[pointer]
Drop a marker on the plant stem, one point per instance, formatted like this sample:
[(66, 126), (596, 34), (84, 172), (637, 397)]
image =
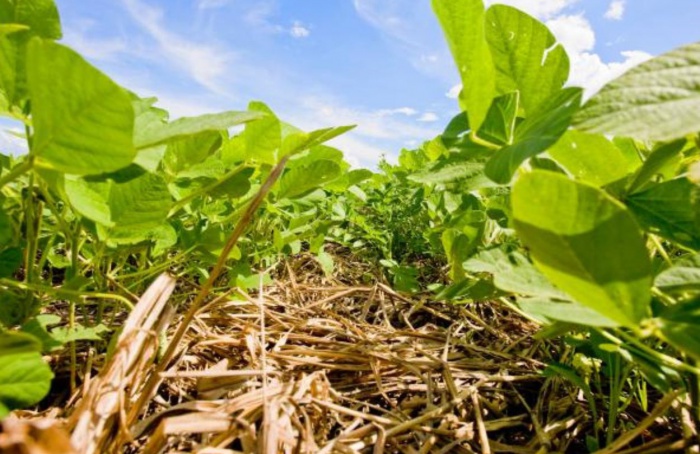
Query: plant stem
[(484, 143), (17, 171), (65, 292)]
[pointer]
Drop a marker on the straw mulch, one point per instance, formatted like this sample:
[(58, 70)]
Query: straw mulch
[(315, 365)]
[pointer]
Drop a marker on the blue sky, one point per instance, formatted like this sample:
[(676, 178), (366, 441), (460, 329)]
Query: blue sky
[(381, 64)]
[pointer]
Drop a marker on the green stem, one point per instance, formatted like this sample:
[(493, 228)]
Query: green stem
[(660, 249), (66, 293), (650, 353), (17, 171), (484, 143)]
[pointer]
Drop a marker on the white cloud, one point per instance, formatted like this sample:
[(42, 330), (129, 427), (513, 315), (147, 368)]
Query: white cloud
[(543, 9), (616, 10), (428, 117), (378, 131), (298, 30), (453, 93), (407, 111), (574, 32), (588, 70), (203, 62), (212, 4)]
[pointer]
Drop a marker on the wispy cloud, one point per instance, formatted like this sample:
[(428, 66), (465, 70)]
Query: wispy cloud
[(212, 4), (379, 131), (616, 10), (428, 117), (403, 23), (204, 62), (103, 49), (12, 139)]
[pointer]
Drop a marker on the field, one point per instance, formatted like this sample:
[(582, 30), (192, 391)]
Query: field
[(528, 281)]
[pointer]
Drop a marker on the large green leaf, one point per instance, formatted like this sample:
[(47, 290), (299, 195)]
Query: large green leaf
[(526, 55), (657, 100), (586, 243), (303, 179), (12, 73), (546, 311), (130, 203), (156, 132), (670, 210), (40, 15), (24, 376), (538, 132), (464, 27), (591, 158), (83, 122)]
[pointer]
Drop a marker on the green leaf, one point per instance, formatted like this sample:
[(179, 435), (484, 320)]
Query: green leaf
[(465, 168), (181, 155), (154, 132), (326, 261), (499, 125), (513, 273), (538, 132), (39, 15), (130, 202), (83, 122), (300, 180), (658, 100), (586, 243), (10, 261), (12, 343), (7, 231), (591, 158), (682, 334), (263, 138), (526, 55), (683, 276), (24, 376), (12, 69), (38, 327), (669, 210), (654, 164), (78, 333), (546, 311), (463, 23), (300, 141)]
